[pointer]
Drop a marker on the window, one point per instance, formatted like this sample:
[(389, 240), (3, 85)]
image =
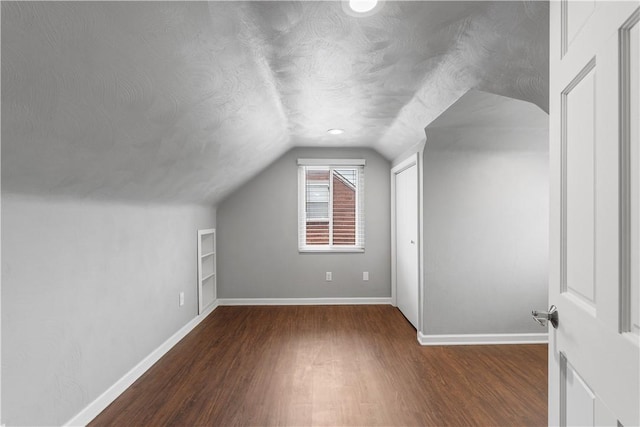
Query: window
[(331, 205)]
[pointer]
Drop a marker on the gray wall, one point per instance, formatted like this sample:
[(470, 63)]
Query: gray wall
[(486, 230), (258, 236), (88, 290)]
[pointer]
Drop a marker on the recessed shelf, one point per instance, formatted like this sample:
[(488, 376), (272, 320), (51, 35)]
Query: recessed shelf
[(208, 276), (206, 268)]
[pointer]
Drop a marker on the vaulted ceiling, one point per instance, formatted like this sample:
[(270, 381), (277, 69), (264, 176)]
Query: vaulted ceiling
[(184, 101)]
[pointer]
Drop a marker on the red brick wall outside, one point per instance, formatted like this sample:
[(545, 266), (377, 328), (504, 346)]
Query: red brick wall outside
[(317, 232), (344, 214)]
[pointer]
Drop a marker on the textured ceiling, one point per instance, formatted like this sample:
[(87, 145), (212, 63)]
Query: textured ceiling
[(484, 121), (182, 102)]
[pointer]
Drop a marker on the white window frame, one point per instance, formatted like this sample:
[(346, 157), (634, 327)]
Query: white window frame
[(302, 214)]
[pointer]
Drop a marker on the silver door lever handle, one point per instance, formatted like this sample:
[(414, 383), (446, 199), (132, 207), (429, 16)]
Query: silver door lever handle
[(542, 317)]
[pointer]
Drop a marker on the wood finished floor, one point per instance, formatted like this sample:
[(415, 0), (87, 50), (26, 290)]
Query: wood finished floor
[(331, 366)]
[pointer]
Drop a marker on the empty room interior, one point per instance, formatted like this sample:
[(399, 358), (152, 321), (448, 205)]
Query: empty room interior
[(283, 212)]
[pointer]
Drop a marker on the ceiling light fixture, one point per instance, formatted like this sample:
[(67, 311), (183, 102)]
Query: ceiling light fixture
[(335, 131), (362, 6)]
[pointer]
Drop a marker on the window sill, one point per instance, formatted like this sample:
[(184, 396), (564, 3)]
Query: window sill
[(308, 249)]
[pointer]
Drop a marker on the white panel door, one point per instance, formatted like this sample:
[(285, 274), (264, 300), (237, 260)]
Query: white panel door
[(594, 358), (406, 224)]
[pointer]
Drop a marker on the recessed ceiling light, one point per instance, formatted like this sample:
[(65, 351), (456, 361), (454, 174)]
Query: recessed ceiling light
[(362, 6), (335, 131)]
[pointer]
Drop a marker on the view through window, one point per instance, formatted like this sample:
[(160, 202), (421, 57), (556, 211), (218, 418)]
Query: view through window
[(331, 214)]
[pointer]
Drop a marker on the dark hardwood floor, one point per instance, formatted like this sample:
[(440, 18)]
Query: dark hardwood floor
[(331, 366)]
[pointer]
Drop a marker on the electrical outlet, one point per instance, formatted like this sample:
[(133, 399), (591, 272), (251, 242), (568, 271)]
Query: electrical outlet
[(328, 277), (181, 299), (365, 276)]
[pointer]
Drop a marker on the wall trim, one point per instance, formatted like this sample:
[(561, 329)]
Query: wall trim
[(306, 301), (92, 410), (482, 339)]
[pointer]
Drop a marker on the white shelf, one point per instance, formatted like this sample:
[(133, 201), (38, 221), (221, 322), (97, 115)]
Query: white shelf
[(208, 276), (206, 268)]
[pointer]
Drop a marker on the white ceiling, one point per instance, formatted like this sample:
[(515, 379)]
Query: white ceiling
[(185, 101), (489, 122)]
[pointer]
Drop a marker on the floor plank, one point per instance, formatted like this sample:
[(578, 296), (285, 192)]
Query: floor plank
[(331, 366)]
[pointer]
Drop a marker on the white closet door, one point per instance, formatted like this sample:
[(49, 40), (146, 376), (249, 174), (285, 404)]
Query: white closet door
[(406, 204)]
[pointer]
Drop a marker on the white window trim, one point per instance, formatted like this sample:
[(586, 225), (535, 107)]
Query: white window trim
[(329, 249), (331, 162), (302, 248)]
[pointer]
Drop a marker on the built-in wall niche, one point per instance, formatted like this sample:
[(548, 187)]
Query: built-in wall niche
[(206, 268)]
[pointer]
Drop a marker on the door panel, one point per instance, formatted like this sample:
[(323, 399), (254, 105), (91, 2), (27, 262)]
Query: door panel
[(579, 401), (407, 243), (579, 165), (594, 359), (631, 76)]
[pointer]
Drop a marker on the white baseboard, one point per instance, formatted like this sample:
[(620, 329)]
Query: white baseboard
[(482, 339), (92, 410), (305, 301)]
